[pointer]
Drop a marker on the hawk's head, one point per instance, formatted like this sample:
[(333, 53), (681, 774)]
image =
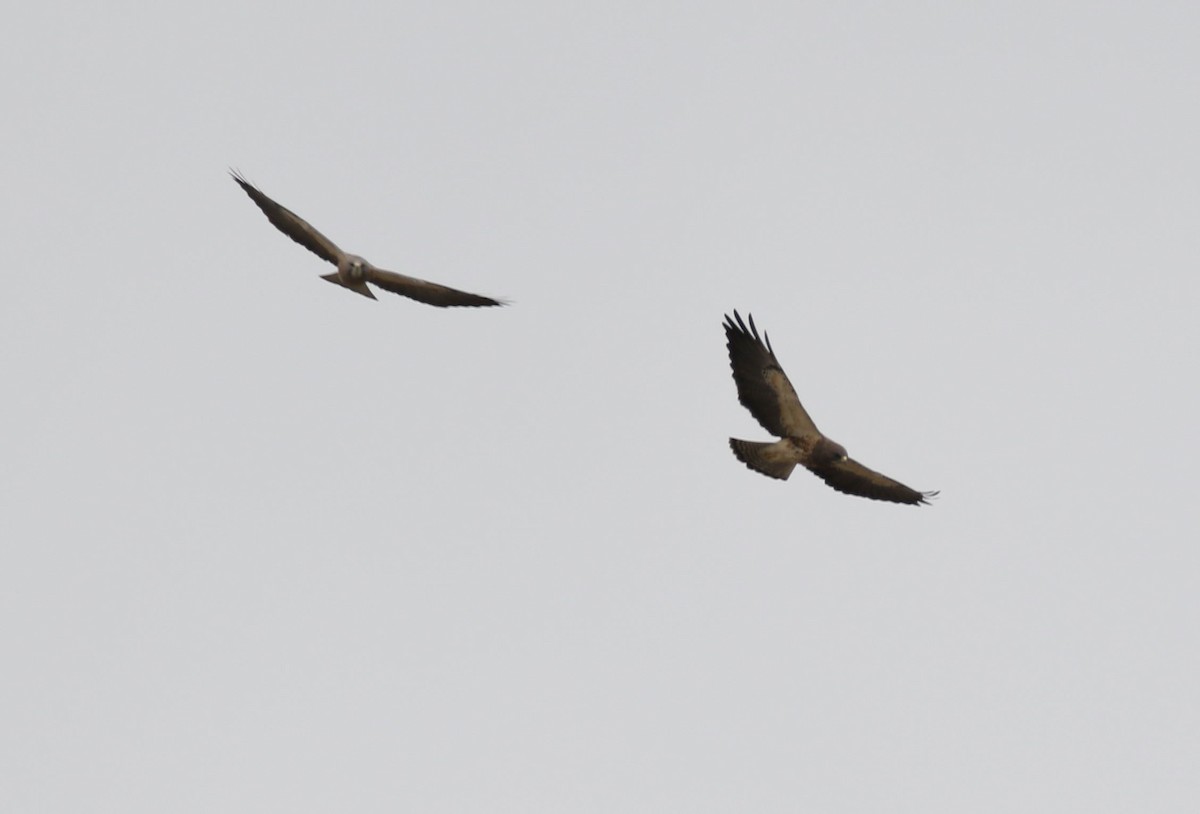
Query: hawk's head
[(356, 268), (828, 451)]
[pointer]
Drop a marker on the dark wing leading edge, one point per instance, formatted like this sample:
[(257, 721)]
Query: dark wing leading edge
[(291, 224), (851, 477), (425, 291), (763, 388)]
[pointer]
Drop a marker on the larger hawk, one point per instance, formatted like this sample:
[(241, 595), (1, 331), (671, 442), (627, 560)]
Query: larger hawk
[(763, 389)]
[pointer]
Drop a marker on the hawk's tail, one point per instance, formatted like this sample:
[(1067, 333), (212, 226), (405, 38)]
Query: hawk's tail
[(359, 288), (772, 460)]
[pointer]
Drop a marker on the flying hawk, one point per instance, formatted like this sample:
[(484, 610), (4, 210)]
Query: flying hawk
[(763, 389), (354, 272)]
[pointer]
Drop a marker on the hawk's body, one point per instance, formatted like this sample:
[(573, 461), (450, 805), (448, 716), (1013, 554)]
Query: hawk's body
[(353, 272), (764, 389)]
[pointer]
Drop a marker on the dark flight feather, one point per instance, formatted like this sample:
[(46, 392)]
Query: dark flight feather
[(291, 224)]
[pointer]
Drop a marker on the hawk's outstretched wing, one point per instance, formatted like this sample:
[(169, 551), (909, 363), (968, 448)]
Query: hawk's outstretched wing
[(291, 224), (849, 476), (763, 388), (425, 291)]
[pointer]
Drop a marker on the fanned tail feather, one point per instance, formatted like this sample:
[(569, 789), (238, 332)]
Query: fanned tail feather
[(771, 459)]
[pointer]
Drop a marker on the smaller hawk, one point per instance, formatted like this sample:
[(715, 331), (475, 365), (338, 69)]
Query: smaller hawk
[(353, 272), (763, 389)]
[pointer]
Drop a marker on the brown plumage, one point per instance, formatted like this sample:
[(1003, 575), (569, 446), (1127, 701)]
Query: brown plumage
[(764, 389), (353, 272)]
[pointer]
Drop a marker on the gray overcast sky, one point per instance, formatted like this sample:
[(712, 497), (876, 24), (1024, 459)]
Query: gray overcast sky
[(268, 546)]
